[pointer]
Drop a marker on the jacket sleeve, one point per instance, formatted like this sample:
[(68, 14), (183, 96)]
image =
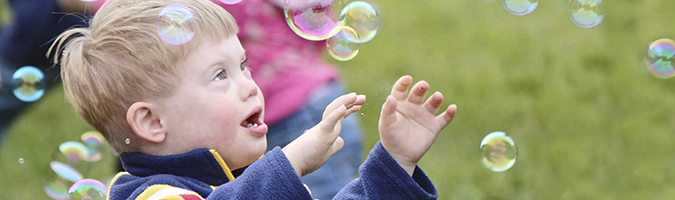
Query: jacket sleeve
[(271, 177), (382, 178)]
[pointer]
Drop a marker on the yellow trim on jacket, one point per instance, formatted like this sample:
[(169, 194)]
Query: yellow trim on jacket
[(166, 192), (222, 164), (107, 196)]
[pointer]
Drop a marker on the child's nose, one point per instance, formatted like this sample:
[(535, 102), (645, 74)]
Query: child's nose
[(248, 88)]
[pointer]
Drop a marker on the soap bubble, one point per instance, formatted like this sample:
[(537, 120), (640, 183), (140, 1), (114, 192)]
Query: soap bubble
[(28, 84), (65, 171), (586, 13), (87, 189), (174, 24), (127, 141), (498, 152), (74, 151), (230, 2), (315, 19), (92, 138), (341, 46), (57, 189), (363, 18), (660, 58), (520, 7)]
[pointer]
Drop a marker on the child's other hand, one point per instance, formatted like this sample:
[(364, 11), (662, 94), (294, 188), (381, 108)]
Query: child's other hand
[(309, 151), (408, 125)]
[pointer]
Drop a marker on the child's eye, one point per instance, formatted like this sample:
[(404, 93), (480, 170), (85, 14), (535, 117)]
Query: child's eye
[(220, 76), (243, 65)]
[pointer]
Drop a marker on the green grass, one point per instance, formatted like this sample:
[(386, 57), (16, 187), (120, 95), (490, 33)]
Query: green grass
[(5, 13), (589, 122)]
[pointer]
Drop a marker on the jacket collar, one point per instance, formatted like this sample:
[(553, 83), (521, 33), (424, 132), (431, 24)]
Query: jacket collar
[(202, 164)]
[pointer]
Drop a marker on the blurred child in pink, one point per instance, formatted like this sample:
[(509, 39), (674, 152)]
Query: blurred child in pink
[(285, 65)]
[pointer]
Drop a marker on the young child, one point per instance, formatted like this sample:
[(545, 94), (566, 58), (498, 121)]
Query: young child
[(187, 119)]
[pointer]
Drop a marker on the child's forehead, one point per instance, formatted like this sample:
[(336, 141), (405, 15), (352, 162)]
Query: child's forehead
[(226, 46), (207, 52)]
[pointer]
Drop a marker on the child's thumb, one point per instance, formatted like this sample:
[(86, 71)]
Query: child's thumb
[(337, 145), (329, 122)]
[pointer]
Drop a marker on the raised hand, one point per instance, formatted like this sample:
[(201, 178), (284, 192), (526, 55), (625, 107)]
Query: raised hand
[(408, 126), (309, 151)]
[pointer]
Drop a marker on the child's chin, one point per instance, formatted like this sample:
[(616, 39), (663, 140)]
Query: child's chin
[(259, 151)]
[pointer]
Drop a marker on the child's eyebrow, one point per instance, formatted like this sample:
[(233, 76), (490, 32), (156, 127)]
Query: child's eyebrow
[(222, 62)]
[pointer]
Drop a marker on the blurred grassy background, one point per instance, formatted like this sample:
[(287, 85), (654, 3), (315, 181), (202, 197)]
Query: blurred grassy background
[(589, 122), (4, 12)]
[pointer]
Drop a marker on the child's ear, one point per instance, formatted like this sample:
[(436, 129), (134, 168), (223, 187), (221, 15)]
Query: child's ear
[(145, 122)]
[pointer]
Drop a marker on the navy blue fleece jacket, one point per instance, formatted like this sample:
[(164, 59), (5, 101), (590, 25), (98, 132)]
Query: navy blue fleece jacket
[(202, 174)]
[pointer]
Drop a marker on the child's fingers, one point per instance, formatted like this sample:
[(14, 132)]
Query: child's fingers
[(418, 91), (353, 109), (346, 100), (388, 113), (329, 122), (337, 145), (360, 99), (356, 105), (434, 102), (446, 117), (400, 89)]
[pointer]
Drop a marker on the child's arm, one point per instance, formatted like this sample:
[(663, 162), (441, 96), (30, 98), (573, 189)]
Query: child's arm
[(408, 125), (309, 151)]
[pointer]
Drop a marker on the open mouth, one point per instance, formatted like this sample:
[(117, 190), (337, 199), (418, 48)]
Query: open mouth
[(253, 120)]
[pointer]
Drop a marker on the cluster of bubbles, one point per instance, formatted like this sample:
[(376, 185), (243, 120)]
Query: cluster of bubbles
[(660, 58), (344, 26), (28, 84), (67, 161), (583, 13), (498, 151)]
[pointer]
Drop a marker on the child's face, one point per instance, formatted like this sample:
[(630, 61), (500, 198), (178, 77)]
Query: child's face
[(217, 105)]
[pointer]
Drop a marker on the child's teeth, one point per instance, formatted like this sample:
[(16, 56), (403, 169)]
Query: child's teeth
[(249, 125), (255, 125)]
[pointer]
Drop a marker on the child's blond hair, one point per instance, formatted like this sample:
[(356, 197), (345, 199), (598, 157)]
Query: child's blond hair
[(120, 59)]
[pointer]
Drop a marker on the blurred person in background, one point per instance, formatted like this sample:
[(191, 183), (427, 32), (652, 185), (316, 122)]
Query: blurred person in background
[(24, 42)]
